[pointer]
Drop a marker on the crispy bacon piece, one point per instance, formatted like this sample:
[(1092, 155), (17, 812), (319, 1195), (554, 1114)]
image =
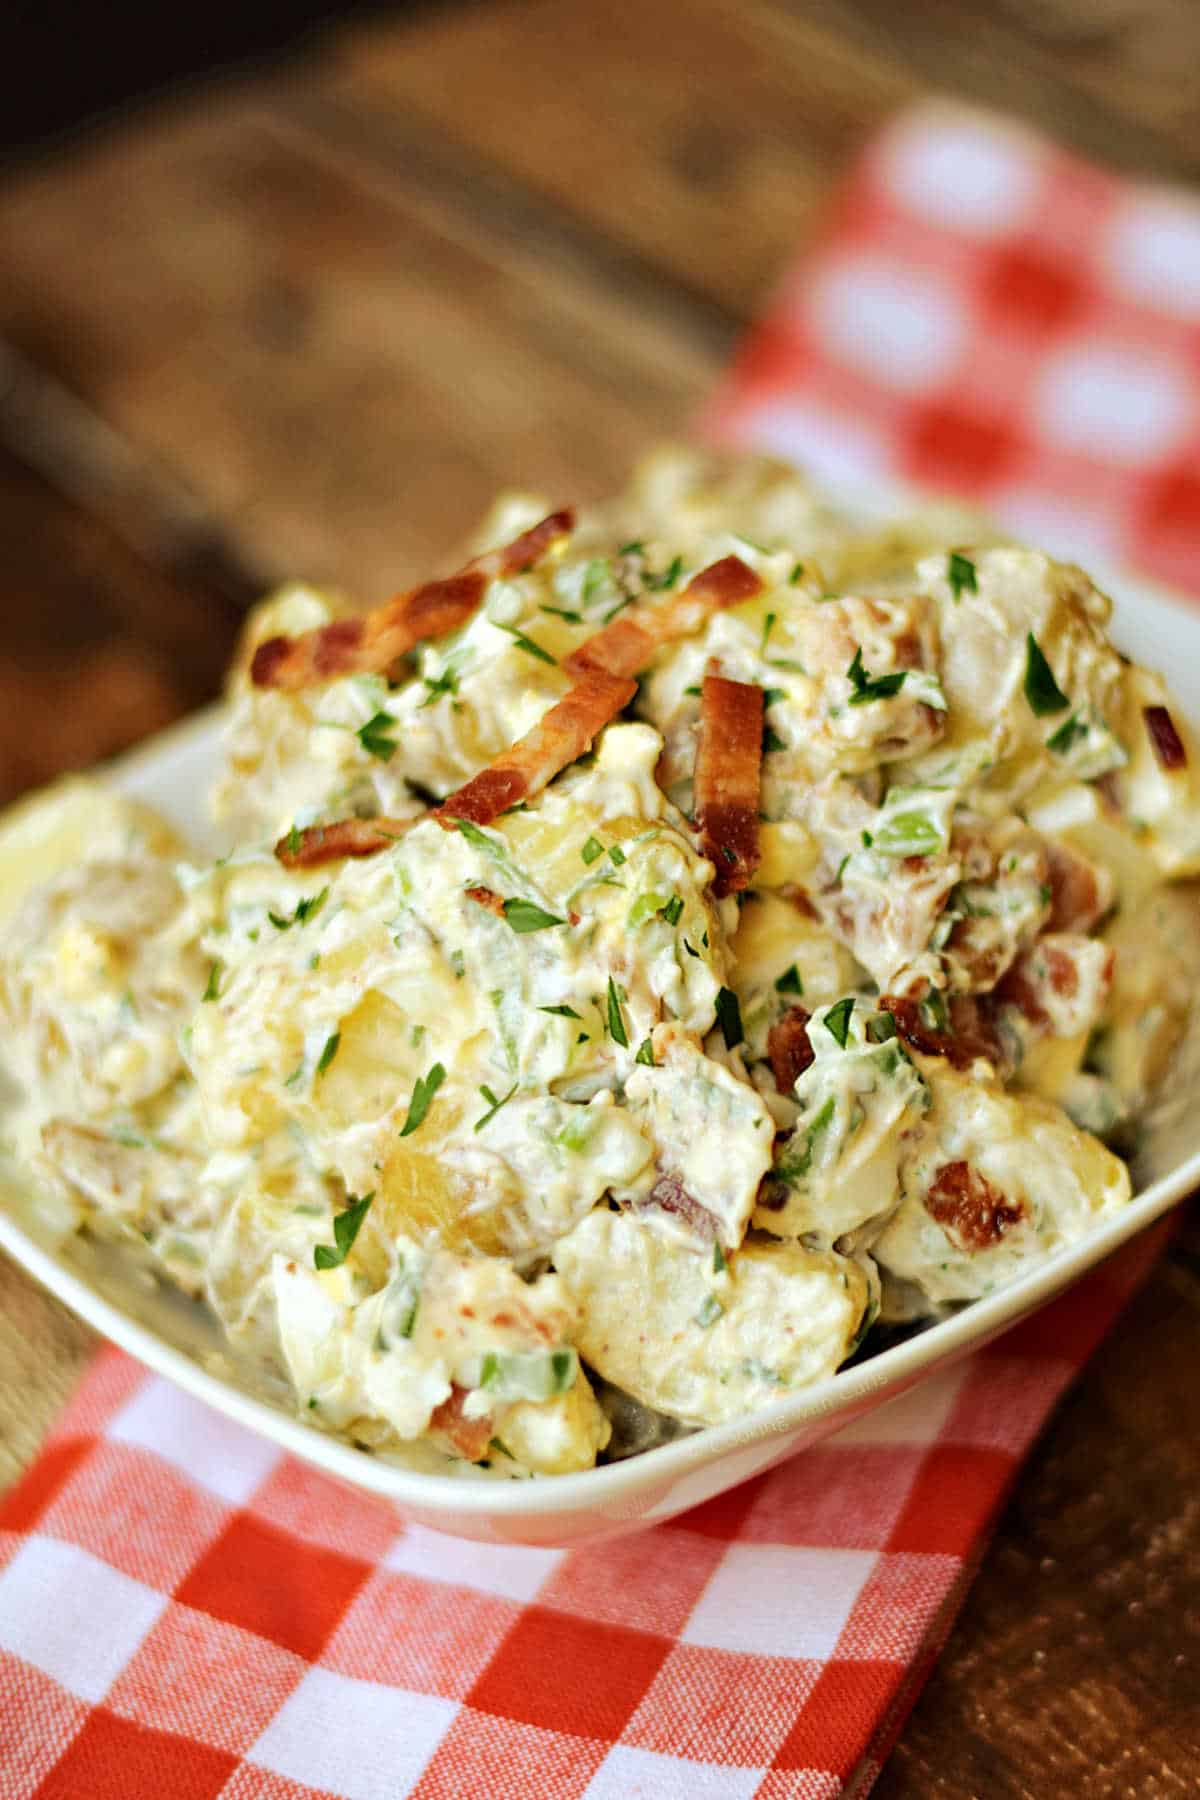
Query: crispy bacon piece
[(966, 1205), (670, 1196), (627, 645), (788, 1049), (373, 641), (559, 736), (318, 844), (970, 1031), (1165, 741), (466, 1437), (486, 896), (728, 767)]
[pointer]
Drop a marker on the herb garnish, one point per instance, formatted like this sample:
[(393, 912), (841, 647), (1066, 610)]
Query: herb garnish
[(837, 1021), (591, 850), (481, 840), (960, 573), (658, 584), (710, 1311), (872, 687), (211, 991), (729, 1018), (436, 686), (494, 1105), (373, 736), (422, 1094), (527, 644), (1067, 733), (719, 1265), (1041, 690), (645, 1054), (306, 909), (789, 982), (346, 1226), (329, 1052), (672, 910), (524, 915), (616, 1024), (616, 855), (563, 1012)]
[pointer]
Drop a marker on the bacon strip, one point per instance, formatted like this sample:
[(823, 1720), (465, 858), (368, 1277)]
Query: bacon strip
[(971, 1031), (466, 1437), (559, 736), (788, 1049), (372, 642), (728, 766), (627, 645), (319, 844), (1165, 741), (487, 897), (969, 1208)]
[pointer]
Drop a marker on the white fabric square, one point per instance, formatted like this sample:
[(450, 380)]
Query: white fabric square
[(220, 1456), (512, 1571), (1152, 252), (900, 325), (353, 1738), (779, 1600), (1117, 401), (946, 168), (631, 1774), (915, 1418), (72, 1616)]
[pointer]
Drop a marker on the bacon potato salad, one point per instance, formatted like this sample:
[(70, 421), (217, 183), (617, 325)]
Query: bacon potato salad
[(643, 959)]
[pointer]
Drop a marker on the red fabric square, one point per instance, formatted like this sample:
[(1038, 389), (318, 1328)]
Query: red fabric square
[(649, 1580), (206, 1679), (843, 1498), (900, 1601), (137, 1513), (25, 1502), (1030, 289), (481, 1756), (1168, 521), (839, 1717), (114, 1759), (249, 1782), (722, 1516), (1004, 1399), (270, 1583), (951, 447), (427, 1636), (569, 1674), (717, 1706), (317, 1509), (954, 1497), (38, 1719)]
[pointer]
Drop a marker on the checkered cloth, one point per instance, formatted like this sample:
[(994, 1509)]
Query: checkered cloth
[(186, 1612)]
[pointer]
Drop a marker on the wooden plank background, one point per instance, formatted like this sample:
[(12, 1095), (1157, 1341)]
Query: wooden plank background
[(309, 323)]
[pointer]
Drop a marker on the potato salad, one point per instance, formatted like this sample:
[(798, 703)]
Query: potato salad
[(690, 938)]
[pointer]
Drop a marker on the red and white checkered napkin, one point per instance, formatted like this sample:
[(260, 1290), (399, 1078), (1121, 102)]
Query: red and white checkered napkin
[(186, 1613)]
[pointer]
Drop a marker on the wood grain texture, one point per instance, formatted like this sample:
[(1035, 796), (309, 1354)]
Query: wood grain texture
[(308, 325)]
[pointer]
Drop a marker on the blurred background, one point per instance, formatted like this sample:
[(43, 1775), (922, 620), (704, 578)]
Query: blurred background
[(294, 287)]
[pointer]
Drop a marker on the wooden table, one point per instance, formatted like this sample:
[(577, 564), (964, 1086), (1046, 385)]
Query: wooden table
[(308, 323)]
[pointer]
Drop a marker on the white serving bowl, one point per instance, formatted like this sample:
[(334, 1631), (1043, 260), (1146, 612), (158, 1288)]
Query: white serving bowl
[(178, 1338)]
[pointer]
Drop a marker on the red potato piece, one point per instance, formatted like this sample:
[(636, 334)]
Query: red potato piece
[(319, 844), (563, 733), (728, 771), (372, 642), (628, 644)]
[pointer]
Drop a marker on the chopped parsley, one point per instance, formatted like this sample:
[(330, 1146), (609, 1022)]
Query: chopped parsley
[(616, 1024), (563, 1012), (293, 841), (591, 850), (672, 910), (524, 915), (329, 1052), (710, 1311), (214, 976), (719, 1264), (594, 577), (481, 840), (645, 1053), (691, 950), (837, 1021), (789, 982), (1041, 690), (872, 687), (797, 575), (1067, 734), (960, 573), (422, 1094), (563, 612), (616, 855), (660, 583), (634, 547), (374, 738), (768, 628), (791, 1169), (306, 909), (841, 868), (438, 685), (346, 1226), (494, 1105), (529, 646), (729, 1018), (771, 740)]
